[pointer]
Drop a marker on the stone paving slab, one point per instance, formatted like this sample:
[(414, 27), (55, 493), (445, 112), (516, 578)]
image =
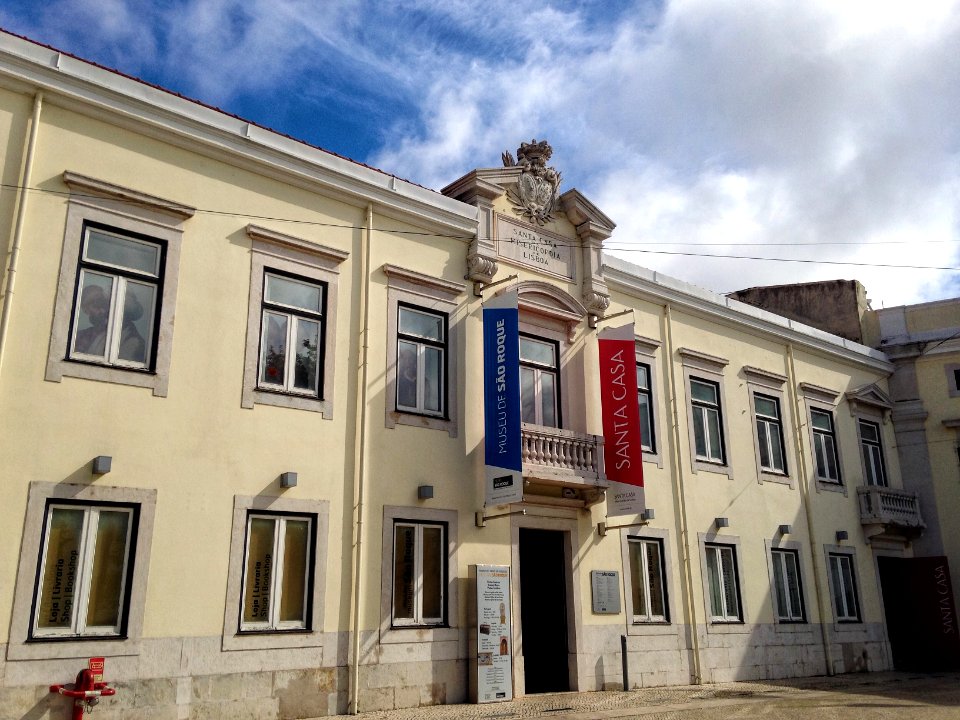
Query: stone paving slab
[(900, 696)]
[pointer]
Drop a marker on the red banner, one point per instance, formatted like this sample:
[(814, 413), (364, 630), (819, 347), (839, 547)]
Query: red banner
[(623, 459)]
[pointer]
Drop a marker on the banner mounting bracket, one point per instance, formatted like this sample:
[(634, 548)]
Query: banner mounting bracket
[(481, 520), (594, 320), (479, 286)]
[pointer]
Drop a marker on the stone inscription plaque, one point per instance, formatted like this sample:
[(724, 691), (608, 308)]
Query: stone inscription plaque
[(536, 249)]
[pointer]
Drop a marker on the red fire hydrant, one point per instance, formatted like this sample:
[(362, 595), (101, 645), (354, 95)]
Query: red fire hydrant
[(86, 692)]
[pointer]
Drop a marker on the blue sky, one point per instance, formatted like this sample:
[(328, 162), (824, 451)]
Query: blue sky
[(818, 130)]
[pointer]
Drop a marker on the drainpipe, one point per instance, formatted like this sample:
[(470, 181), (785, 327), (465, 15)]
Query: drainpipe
[(819, 571), (359, 463), (690, 607), (24, 185)]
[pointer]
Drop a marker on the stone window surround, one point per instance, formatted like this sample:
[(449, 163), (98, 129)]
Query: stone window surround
[(271, 250), (875, 409), (429, 293), (39, 493), (953, 383), (274, 639), (771, 384), (727, 627), (846, 625), (785, 626), (824, 399), (127, 210), (666, 627), (418, 634), (709, 367), (647, 353)]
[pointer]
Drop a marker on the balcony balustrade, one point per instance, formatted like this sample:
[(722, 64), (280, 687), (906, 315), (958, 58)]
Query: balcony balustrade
[(890, 512), (562, 457)]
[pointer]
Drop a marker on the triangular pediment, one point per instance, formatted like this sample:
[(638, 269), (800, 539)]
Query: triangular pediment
[(870, 397)]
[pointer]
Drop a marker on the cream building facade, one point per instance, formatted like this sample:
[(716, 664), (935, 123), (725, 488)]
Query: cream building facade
[(241, 383)]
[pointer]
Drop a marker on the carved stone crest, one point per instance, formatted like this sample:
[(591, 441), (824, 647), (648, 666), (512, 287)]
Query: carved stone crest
[(535, 195)]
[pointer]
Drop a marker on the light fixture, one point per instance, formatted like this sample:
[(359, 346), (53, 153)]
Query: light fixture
[(102, 464), (648, 514), (288, 480), (785, 529), (842, 535), (721, 522), (424, 492)]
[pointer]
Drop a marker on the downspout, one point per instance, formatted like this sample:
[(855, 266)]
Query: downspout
[(359, 464), (24, 185), (819, 571), (690, 607)]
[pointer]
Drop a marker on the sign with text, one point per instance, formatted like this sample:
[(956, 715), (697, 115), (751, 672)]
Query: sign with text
[(96, 664), (501, 400), (623, 457), (534, 248), (494, 643), (605, 589)]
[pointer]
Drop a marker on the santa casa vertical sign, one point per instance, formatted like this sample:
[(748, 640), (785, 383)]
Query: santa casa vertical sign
[(623, 457)]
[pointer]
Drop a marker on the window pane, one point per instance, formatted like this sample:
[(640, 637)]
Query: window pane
[(779, 582), (646, 433), (537, 351), (273, 351), (137, 325), (714, 581), (655, 578), (548, 399), (869, 432), (776, 451), (406, 374), (713, 427), (403, 572), (846, 576), (432, 573), (820, 420), (699, 432), (837, 586), (638, 579), (729, 583), (763, 444), (286, 291), (831, 453), (296, 538), (765, 406), (90, 332), (528, 411), (122, 252), (61, 569), (106, 577), (421, 324), (308, 341), (432, 362), (643, 381), (259, 570), (703, 392), (793, 585)]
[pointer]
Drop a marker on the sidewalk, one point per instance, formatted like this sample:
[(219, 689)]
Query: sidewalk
[(904, 696)]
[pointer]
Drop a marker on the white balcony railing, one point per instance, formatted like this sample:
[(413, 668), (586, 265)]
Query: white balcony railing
[(562, 455), (896, 510)]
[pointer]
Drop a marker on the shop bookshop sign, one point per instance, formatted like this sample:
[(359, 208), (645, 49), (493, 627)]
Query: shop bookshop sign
[(536, 249)]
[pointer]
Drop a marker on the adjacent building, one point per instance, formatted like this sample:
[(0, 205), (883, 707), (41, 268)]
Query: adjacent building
[(241, 383)]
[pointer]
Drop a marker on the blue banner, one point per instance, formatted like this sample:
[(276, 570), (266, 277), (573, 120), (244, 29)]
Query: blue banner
[(501, 400)]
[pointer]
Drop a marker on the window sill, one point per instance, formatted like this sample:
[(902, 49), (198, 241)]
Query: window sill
[(729, 627), (712, 466), (775, 477), (295, 401), (419, 634), (272, 640), (650, 628), (411, 419), (72, 647), (830, 486), (116, 374)]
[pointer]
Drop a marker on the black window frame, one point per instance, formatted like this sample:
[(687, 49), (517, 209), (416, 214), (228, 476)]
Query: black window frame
[(695, 403), (445, 346), (832, 434), (648, 392), (555, 370)]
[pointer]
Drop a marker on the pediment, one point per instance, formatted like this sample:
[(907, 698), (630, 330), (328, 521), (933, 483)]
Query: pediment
[(869, 397), (550, 301)]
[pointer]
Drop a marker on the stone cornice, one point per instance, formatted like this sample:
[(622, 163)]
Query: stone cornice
[(91, 186)]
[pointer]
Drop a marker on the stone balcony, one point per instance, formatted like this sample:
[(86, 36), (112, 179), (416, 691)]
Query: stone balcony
[(889, 513), (574, 461)]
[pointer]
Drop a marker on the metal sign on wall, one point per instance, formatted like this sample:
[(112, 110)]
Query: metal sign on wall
[(525, 245), (494, 643), (605, 587)]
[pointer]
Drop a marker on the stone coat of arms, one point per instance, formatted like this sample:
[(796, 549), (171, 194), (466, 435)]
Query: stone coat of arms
[(536, 193)]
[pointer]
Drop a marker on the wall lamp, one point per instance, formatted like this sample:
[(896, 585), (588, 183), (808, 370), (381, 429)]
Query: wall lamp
[(842, 535), (785, 529), (721, 522), (102, 464), (425, 492), (288, 479)]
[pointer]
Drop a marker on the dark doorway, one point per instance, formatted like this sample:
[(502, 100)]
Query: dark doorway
[(543, 611), (921, 617)]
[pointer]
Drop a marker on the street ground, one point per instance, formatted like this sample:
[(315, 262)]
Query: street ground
[(869, 696)]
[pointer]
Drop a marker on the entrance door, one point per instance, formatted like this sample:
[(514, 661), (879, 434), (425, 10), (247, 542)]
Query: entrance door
[(919, 609), (543, 611)]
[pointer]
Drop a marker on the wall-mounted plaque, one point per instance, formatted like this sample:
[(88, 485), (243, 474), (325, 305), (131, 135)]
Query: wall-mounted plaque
[(543, 251), (606, 591), (494, 641)]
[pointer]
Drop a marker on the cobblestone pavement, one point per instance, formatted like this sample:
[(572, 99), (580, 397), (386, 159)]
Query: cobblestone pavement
[(871, 696)]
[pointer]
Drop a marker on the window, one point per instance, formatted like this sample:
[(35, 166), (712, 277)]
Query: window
[(291, 322), (843, 586), (84, 571), (276, 578), (538, 382), (419, 573), (769, 433), (722, 583), (82, 574), (708, 437), (116, 302), (786, 584), (825, 446), (873, 468), (292, 329), (421, 361), (647, 580), (648, 440), (116, 297)]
